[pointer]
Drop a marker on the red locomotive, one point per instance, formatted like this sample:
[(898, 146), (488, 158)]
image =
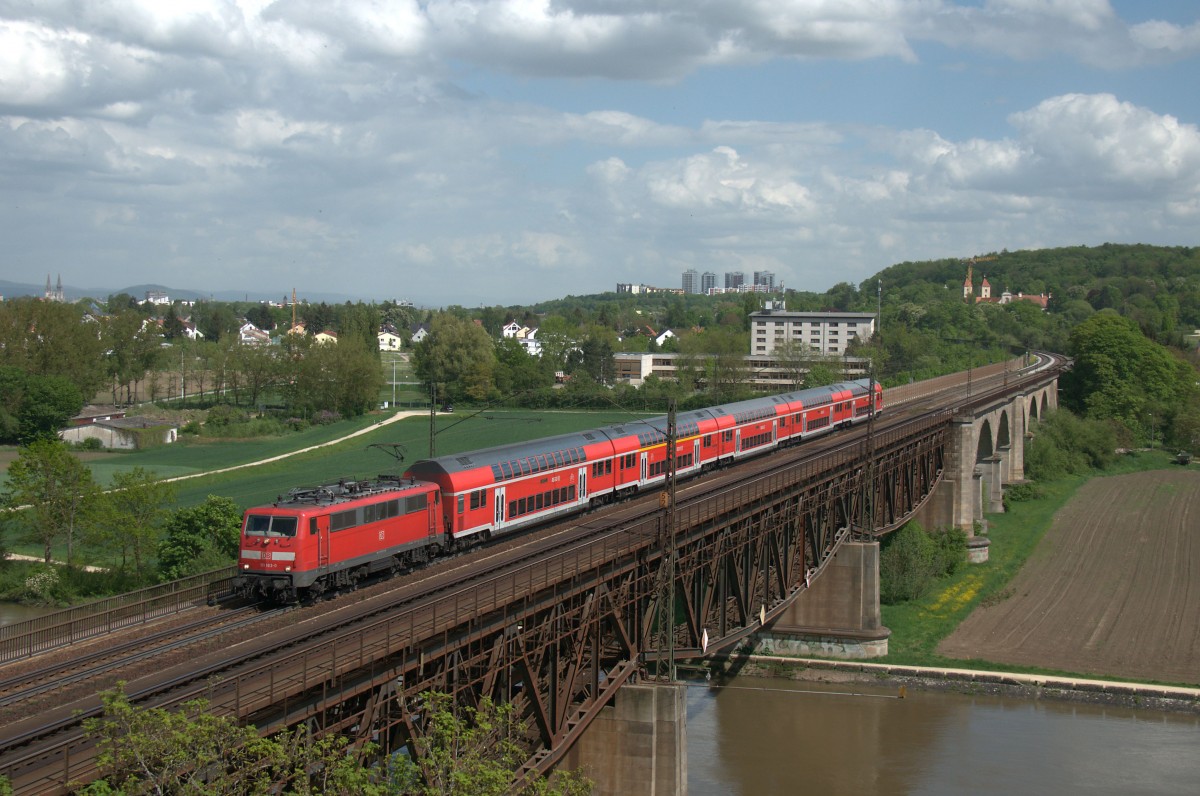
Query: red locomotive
[(328, 537)]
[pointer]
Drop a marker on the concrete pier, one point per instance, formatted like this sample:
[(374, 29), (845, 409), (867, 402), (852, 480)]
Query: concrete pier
[(638, 745), (839, 615)]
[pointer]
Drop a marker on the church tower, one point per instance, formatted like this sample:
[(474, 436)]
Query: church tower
[(969, 283)]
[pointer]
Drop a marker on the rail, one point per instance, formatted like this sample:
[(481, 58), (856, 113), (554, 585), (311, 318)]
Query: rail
[(23, 639)]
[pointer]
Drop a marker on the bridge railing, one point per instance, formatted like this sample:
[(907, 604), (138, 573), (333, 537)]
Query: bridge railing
[(23, 639), (928, 387)]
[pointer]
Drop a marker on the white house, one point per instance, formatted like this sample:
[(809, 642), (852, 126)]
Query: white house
[(249, 334), (389, 339), (419, 332), (510, 329), (664, 337)]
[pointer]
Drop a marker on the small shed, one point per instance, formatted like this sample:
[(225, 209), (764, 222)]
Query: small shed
[(124, 433)]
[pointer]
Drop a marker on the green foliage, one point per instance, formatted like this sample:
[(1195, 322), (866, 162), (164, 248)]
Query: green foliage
[(912, 560), (33, 407), (68, 585), (129, 517), (1065, 444), (458, 357), (1120, 374), (1017, 493), (58, 491), (191, 751), (47, 338), (475, 752), (200, 538)]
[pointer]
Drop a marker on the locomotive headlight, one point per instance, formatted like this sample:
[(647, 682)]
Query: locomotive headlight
[(245, 566), (287, 569)]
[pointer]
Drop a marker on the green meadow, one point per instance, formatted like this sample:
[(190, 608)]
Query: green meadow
[(353, 457)]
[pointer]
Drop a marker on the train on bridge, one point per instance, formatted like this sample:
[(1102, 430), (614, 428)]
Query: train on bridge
[(318, 539)]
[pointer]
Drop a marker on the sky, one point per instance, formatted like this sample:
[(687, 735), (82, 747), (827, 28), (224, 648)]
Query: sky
[(482, 152)]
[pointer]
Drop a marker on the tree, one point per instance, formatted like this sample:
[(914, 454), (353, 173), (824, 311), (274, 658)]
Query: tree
[(457, 357), (57, 490), (33, 407), (192, 751), (1120, 374), (129, 518), (200, 538), (49, 402), (474, 752), (47, 338), (133, 345)]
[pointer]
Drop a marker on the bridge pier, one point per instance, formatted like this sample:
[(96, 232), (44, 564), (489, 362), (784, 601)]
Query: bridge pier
[(839, 615), (638, 744)]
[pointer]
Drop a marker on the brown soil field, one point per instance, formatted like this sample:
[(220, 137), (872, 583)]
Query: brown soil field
[(1112, 589)]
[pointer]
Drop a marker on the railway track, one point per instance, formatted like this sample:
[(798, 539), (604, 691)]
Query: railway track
[(28, 683), (25, 745)]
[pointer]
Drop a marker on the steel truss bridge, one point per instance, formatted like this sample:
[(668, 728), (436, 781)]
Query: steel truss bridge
[(558, 636)]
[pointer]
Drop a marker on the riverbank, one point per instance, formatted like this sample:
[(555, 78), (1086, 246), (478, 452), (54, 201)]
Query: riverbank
[(970, 681)]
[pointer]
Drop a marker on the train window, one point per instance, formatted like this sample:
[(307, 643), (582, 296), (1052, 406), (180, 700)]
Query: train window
[(460, 504), (312, 526), (421, 502), (540, 500), (393, 508), (343, 520), (555, 497), (368, 514), (608, 466), (512, 508), (521, 505), (267, 525), (506, 469), (571, 492), (482, 497), (474, 500)]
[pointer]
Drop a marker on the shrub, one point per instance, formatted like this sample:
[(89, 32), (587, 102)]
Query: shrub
[(223, 415), (907, 565), (325, 417)]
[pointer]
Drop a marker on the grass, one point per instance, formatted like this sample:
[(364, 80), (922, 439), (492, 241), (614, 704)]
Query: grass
[(919, 626), (352, 458)]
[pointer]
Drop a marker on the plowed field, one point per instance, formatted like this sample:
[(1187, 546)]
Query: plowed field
[(1112, 589)]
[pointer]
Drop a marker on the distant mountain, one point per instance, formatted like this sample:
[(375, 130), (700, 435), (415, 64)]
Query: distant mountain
[(17, 289)]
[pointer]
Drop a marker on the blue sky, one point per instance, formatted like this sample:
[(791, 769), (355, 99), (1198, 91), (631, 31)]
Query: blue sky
[(507, 151)]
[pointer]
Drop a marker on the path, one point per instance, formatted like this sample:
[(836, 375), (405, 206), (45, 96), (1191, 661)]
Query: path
[(361, 431)]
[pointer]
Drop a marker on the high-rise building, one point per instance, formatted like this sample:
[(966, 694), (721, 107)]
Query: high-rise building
[(765, 278), (734, 279), (708, 280), (691, 281)]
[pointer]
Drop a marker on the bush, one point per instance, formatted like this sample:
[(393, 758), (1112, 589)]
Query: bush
[(1064, 444), (1019, 493), (191, 427), (89, 444), (325, 417), (912, 559), (223, 415), (907, 565)]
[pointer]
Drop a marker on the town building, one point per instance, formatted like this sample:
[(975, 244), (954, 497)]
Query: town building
[(691, 281), (766, 278), (764, 373), (824, 333), (734, 280), (708, 281)]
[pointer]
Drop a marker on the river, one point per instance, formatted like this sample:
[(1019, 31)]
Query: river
[(775, 736)]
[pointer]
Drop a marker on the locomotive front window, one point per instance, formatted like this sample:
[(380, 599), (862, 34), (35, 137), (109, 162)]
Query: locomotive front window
[(267, 525)]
